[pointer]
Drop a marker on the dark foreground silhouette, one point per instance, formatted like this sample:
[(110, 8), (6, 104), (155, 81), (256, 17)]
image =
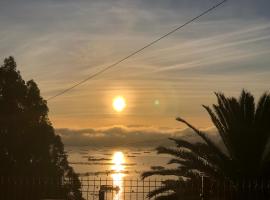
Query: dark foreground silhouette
[(236, 167), (31, 155)]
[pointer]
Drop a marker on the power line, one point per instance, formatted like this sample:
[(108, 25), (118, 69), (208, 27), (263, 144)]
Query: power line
[(136, 52)]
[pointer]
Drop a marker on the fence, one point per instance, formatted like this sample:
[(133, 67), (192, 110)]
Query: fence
[(25, 188), (116, 189), (238, 190), (123, 189), (92, 188)]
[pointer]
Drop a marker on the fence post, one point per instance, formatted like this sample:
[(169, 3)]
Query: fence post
[(101, 195), (204, 188)]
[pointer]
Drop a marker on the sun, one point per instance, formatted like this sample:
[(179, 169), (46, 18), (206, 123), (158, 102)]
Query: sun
[(119, 103)]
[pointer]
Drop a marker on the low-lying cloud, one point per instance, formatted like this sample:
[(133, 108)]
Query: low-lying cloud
[(130, 136)]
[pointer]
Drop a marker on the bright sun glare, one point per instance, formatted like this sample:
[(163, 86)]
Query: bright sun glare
[(118, 161), (119, 103)]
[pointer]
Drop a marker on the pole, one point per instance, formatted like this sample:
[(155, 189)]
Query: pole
[(101, 195), (202, 189)]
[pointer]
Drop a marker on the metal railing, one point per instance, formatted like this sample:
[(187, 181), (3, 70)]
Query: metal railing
[(113, 189), (94, 188)]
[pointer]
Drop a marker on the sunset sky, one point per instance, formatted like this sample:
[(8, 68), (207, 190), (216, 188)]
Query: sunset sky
[(60, 42)]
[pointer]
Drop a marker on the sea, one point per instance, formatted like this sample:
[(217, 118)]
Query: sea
[(116, 170)]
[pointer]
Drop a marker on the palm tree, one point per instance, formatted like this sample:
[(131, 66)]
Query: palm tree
[(244, 130)]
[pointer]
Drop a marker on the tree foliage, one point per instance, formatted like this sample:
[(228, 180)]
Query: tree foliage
[(28, 144), (244, 129)]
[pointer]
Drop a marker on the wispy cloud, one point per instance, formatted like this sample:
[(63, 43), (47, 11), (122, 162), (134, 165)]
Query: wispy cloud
[(59, 42)]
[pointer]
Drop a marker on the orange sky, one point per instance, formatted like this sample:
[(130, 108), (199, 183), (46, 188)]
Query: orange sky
[(59, 43)]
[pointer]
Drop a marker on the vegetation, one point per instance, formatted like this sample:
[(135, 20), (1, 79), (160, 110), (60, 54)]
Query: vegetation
[(244, 130), (29, 147)]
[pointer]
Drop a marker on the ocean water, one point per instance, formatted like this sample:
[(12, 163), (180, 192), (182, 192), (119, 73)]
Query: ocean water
[(117, 169), (100, 162)]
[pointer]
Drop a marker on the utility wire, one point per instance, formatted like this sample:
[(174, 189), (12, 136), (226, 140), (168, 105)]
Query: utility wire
[(136, 52)]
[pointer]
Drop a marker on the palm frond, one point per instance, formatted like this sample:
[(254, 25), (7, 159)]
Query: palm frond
[(200, 149), (221, 129), (247, 107), (177, 161), (179, 153), (172, 196), (211, 144), (182, 143), (167, 186), (245, 131), (164, 172), (190, 160)]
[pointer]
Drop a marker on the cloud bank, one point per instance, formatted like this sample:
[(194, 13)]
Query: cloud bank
[(126, 136)]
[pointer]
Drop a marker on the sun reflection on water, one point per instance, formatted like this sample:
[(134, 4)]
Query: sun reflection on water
[(118, 167)]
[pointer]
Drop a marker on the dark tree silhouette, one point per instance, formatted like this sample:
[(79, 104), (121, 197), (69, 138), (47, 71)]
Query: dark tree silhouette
[(244, 130), (29, 147)]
